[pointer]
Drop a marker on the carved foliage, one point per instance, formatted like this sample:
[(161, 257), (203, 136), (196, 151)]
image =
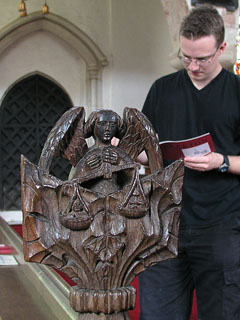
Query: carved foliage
[(101, 230)]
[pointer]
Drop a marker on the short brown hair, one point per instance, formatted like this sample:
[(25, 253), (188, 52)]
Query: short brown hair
[(203, 21)]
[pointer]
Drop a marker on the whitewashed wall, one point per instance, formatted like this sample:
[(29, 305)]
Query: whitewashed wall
[(132, 34), (140, 47), (43, 52)]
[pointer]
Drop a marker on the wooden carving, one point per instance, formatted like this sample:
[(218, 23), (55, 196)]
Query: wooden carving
[(106, 224)]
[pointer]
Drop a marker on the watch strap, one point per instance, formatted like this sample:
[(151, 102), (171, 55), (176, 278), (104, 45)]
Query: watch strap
[(225, 165)]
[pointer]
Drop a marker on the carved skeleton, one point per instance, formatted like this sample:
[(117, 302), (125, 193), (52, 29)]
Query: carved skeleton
[(106, 224)]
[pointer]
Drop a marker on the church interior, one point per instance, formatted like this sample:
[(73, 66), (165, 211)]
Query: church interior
[(56, 54)]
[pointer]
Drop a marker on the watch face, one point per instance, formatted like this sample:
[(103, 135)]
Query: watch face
[(223, 168)]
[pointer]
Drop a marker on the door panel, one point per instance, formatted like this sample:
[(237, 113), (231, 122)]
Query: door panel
[(28, 112)]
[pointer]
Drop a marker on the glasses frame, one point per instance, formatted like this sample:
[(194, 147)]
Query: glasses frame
[(198, 61)]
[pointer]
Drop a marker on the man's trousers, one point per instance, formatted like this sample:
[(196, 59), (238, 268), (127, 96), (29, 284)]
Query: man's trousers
[(209, 262)]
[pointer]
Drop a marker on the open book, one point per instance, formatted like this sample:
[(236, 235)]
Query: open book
[(197, 146)]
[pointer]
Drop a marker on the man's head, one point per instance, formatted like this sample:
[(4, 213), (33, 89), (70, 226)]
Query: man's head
[(201, 44), (203, 21)]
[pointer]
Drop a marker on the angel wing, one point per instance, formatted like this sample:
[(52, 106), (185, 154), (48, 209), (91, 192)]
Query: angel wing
[(141, 136), (66, 139)]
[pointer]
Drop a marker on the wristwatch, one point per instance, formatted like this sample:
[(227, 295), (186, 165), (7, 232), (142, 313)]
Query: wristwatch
[(225, 165)]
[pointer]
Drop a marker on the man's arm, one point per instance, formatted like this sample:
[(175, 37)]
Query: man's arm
[(212, 161), (142, 158)]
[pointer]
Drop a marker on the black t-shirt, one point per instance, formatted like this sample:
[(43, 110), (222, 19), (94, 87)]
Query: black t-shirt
[(178, 110)]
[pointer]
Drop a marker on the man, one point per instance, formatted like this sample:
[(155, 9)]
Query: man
[(202, 97)]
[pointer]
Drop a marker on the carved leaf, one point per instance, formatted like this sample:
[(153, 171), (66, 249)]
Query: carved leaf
[(103, 230), (105, 247)]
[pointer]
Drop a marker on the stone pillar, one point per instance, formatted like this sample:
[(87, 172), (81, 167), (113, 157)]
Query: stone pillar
[(93, 78)]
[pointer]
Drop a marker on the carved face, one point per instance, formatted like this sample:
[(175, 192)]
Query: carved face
[(106, 126)]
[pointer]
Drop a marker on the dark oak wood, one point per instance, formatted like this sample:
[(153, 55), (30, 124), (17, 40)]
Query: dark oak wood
[(106, 224)]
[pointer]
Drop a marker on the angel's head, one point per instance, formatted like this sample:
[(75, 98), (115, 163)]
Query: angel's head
[(103, 125)]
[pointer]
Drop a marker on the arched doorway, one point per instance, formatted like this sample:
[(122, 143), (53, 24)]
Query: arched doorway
[(28, 112), (66, 31)]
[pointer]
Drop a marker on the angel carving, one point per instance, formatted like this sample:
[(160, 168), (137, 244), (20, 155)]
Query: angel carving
[(107, 223)]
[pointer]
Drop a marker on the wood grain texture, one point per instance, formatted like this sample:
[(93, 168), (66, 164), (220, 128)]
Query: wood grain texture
[(106, 224)]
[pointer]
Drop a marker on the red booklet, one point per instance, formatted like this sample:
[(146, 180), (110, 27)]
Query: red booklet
[(197, 146), (4, 249)]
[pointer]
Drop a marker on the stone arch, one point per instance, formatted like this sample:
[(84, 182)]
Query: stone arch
[(33, 73), (89, 51)]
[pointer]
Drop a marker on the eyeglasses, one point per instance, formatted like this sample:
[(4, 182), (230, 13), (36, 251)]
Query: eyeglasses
[(198, 61)]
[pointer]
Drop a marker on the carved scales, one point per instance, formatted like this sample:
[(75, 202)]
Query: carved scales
[(106, 224)]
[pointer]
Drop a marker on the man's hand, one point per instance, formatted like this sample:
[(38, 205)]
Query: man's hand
[(208, 162), (114, 141)]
